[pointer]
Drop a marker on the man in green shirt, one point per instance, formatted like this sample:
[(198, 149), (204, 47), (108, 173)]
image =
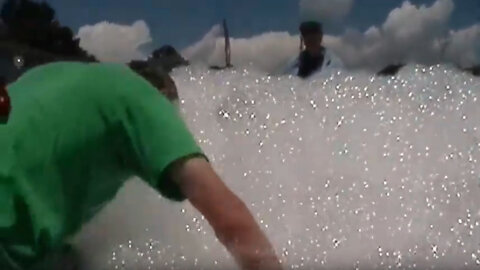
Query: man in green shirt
[(75, 134)]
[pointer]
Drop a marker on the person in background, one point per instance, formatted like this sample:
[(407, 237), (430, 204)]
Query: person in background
[(75, 132), (314, 57)]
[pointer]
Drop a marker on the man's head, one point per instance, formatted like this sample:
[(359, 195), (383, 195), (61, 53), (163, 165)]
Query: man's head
[(158, 77), (312, 35)]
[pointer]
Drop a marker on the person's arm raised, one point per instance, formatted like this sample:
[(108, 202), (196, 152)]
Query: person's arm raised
[(231, 220)]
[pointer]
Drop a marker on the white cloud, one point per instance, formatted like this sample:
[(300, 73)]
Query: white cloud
[(325, 10), (463, 46), (409, 34), (111, 42), (201, 51), (411, 22)]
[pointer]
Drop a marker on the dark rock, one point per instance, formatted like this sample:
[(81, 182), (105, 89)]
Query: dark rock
[(168, 57), (390, 70), (475, 70), (166, 50), (220, 67), (33, 24), (16, 58)]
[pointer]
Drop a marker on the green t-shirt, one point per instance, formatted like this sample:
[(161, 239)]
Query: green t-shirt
[(76, 133)]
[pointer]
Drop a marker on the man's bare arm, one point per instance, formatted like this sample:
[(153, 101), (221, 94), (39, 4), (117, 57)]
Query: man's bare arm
[(231, 220)]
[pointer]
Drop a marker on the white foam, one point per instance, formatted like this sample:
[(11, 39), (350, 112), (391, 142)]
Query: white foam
[(342, 172)]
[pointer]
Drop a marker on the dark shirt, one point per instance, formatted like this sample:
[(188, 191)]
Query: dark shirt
[(308, 64)]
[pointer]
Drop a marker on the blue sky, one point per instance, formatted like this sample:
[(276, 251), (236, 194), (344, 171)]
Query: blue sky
[(181, 22)]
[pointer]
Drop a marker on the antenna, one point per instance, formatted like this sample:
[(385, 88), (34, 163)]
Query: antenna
[(228, 51)]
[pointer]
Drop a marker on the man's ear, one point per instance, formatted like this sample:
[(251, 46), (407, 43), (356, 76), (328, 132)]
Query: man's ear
[(158, 79), (169, 88), (5, 105)]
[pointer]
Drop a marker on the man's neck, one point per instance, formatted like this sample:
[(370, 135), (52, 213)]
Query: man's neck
[(315, 52)]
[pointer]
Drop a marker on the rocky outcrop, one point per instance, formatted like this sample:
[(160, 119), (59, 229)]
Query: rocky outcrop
[(16, 58), (30, 36), (168, 58), (475, 70), (33, 24), (390, 70)]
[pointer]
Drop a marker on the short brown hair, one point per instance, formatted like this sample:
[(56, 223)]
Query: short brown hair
[(157, 77)]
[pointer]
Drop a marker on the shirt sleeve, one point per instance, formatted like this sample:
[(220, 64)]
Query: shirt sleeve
[(158, 135)]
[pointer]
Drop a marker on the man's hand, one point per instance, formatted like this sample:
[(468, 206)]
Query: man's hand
[(233, 224)]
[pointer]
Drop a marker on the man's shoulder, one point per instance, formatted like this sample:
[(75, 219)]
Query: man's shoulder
[(80, 67), (96, 84), (103, 77), (63, 72)]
